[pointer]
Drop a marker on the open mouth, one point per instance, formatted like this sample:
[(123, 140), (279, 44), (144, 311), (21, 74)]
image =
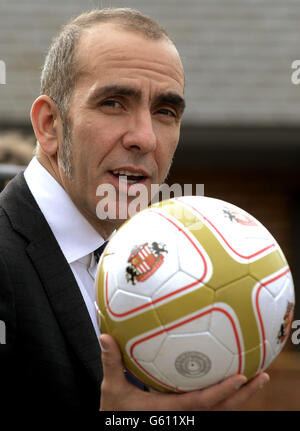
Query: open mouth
[(128, 176)]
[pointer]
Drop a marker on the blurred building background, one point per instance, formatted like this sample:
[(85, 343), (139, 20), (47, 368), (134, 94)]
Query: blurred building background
[(240, 134)]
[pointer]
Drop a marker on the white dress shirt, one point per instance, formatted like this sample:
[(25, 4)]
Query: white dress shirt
[(75, 236)]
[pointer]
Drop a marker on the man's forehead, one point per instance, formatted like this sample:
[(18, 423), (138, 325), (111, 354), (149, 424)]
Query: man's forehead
[(111, 39), (112, 31)]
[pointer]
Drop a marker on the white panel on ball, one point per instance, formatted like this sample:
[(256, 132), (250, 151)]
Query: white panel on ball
[(284, 313), (183, 282), (150, 369), (193, 258), (193, 361), (145, 351), (277, 281), (242, 236), (225, 327), (265, 312), (234, 366), (269, 355), (124, 303), (192, 323)]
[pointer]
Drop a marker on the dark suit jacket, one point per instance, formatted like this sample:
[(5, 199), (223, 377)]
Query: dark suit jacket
[(51, 359)]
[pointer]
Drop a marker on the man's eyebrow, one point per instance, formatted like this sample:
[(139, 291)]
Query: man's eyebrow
[(173, 99), (168, 98), (113, 90)]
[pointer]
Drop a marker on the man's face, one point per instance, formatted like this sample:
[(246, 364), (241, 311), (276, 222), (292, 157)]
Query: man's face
[(124, 114)]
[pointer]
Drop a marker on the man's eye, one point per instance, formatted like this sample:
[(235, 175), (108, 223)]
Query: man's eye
[(111, 103), (167, 112)]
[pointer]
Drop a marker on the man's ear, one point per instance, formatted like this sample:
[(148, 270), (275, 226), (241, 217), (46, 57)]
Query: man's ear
[(47, 124)]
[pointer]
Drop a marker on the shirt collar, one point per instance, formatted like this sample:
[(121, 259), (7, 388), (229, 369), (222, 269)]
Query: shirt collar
[(74, 234)]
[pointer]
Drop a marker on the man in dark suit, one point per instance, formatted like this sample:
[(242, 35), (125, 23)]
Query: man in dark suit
[(110, 107)]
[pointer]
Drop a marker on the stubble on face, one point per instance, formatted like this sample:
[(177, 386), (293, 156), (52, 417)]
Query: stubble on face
[(65, 158)]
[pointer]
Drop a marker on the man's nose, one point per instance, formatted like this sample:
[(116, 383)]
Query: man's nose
[(140, 134)]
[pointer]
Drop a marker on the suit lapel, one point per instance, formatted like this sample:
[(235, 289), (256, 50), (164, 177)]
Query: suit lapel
[(55, 274)]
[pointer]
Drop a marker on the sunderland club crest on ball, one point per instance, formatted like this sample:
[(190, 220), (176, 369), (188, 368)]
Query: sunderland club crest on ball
[(238, 217), (286, 324), (144, 260)]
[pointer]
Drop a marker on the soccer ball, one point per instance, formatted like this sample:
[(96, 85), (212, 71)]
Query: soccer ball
[(194, 290)]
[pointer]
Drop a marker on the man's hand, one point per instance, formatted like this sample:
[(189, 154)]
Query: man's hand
[(118, 394)]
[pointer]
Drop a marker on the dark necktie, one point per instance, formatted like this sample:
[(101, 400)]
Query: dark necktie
[(99, 251)]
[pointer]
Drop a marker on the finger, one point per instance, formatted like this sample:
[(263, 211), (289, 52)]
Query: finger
[(208, 398), (111, 362), (245, 393), (116, 392)]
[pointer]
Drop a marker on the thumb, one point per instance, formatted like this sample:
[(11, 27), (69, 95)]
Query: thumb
[(111, 360)]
